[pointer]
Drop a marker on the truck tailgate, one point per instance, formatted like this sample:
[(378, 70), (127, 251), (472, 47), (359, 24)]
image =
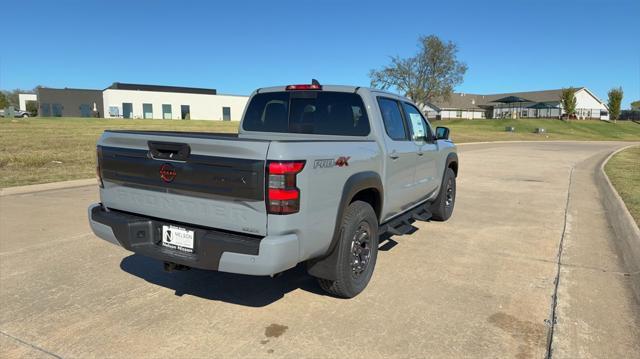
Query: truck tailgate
[(207, 180)]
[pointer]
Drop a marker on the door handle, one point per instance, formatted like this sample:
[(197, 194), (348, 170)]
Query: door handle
[(394, 156), (169, 150), (420, 153)]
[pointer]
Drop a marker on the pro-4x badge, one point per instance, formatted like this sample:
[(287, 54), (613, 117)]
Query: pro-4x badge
[(341, 161)]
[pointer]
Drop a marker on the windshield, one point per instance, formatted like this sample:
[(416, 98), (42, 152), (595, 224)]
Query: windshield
[(310, 112)]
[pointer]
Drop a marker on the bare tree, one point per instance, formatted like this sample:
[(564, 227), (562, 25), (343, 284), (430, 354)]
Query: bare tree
[(431, 74)]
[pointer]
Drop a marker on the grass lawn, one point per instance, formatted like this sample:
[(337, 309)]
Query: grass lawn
[(38, 150), (623, 170), (583, 130), (58, 149)]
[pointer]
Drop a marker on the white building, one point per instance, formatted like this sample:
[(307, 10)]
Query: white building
[(23, 98), (532, 104), (122, 100)]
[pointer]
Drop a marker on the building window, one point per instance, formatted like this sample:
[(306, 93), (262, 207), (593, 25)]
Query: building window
[(166, 112), (114, 111), (45, 110), (459, 114), (185, 112), (604, 113), (147, 110), (525, 113), (226, 114), (127, 110), (85, 110), (56, 110)]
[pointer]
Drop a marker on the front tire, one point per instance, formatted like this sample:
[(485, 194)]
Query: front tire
[(442, 207), (357, 252)]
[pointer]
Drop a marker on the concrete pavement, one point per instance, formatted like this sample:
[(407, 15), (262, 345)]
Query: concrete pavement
[(480, 285)]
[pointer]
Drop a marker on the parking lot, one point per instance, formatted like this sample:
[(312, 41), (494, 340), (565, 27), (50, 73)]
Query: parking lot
[(481, 285)]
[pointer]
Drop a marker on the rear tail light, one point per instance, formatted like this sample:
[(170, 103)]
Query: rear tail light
[(98, 167), (283, 197)]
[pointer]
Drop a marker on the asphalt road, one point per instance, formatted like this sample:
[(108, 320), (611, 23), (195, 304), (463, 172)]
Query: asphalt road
[(480, 285)]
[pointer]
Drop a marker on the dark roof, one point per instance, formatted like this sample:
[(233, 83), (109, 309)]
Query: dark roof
[(65, 89), (543, 105), (533, 96), (159, 88), (40, 90), (511, 99), (475, 101), (461, 100)]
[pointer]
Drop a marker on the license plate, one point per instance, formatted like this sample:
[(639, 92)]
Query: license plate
[(177, 238)]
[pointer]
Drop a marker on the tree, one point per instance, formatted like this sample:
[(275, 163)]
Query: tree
[(13, 98), (32, 108), (431, 74), (4, 103), (635, 105), (568, 100), (615, 101)]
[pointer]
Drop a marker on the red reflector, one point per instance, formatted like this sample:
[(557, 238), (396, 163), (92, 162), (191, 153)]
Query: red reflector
[(280, 168), (304, 87), (283, 194)]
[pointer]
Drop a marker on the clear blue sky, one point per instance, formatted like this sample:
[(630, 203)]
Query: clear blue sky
[(236, 46)]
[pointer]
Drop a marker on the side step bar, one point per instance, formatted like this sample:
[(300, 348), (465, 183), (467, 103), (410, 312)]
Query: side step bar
[(423, 214), (402, 224)]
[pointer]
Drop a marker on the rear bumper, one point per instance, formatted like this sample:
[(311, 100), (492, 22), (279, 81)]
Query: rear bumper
[(214, 250)]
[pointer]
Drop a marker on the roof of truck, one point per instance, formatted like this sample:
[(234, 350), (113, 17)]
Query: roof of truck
[(338, 88)]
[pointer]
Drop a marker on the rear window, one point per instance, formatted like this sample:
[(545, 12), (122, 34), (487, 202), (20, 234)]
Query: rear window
[(309, 112)]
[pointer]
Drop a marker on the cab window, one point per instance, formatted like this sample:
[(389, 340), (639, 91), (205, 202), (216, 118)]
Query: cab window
[(420, 130), (392, 118)]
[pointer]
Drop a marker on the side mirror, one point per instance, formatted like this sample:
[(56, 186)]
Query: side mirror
[(442, 133)]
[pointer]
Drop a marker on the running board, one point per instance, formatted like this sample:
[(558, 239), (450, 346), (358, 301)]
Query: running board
[(399, 229), (402, 224), (422, 215)]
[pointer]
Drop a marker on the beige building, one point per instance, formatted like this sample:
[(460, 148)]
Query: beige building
[(170, 103), (530, 104), (124, 100)]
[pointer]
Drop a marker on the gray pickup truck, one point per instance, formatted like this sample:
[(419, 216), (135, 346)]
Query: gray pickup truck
[(316, 174)]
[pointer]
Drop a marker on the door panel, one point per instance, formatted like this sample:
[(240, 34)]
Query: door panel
[(400, 160), (426, 152)]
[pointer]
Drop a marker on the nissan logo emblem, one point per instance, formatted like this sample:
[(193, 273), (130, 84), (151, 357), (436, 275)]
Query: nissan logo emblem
[(167, 173)]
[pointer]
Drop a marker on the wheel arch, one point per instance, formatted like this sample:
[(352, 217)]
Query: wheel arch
[(452, 162), (362, 186)]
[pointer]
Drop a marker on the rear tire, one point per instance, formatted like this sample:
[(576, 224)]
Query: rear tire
[(442, 207), (357, 252)]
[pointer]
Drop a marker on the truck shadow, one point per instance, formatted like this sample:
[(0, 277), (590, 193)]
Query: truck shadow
[(238, 289)]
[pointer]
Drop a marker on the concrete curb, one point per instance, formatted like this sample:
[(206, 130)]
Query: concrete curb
[(47, 186), (623, 225)]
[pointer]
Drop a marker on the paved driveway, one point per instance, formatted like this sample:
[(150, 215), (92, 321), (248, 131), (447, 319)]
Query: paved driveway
[(480, 285)]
